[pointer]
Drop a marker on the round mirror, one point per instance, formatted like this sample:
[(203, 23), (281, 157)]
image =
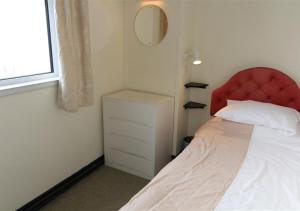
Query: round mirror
[(151, 25)]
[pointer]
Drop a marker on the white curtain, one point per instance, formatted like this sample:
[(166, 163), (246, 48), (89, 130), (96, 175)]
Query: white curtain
[(76, 81)]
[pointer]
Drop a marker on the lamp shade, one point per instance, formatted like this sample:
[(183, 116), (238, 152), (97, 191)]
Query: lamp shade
[(194, 58), (197, 61)]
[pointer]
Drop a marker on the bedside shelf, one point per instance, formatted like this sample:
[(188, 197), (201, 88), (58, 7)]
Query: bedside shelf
[(194, 105), (196, 85), (188, 139)]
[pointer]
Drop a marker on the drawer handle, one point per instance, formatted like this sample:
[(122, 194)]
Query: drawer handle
[(131, 121), (139, 156)]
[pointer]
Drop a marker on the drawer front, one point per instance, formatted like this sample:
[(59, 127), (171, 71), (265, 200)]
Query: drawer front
[(128, 111), (129, 163), (131, 130), (130, 146)]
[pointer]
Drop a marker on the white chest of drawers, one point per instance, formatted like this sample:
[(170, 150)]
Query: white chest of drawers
[(138, 131)]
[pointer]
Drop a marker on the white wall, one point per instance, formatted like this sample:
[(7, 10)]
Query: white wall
[(237, 34), (41, 145), (153, 69), (186, 44)]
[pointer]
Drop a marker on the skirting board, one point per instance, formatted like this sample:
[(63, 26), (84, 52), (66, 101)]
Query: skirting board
[(61, 187)]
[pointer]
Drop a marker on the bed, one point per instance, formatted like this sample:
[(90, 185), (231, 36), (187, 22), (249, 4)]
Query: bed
[(231, 165)]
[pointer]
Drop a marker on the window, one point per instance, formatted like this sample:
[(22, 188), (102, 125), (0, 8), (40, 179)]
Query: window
[(27, 41)]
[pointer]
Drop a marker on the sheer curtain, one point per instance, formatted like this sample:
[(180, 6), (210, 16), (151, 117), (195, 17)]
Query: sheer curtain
[(76, 81)]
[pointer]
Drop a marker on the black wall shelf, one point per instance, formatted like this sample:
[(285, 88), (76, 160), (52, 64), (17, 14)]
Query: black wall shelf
[(188, 139), (194, 105), (196, 85)]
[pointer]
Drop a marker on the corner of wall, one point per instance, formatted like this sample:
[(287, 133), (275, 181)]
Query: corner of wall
[(125, 69)]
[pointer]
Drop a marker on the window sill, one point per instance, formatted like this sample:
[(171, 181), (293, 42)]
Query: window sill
[(27, 86)]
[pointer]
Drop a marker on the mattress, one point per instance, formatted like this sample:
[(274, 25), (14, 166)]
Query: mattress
[(228, 166), (198, 178)]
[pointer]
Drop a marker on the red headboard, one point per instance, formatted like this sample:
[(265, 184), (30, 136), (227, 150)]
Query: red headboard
[(260, 84)]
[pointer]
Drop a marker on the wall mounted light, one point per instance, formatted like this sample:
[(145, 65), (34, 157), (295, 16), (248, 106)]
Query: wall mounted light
[(193, 57)]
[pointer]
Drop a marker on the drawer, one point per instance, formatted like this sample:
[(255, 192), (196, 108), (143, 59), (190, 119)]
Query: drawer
[(134, 112), (130, 146), (131, 130), (129, 163)]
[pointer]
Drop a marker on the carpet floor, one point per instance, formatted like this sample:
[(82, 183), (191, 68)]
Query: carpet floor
[(106, 189)]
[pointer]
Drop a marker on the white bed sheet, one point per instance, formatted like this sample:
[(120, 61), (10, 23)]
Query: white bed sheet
[(269, 178), (198, 178)]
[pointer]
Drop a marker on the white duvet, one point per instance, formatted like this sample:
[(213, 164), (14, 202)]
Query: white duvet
[(269, 178), (208, 176)]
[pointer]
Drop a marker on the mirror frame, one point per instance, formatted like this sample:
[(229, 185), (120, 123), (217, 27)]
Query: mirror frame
[(134, 25)]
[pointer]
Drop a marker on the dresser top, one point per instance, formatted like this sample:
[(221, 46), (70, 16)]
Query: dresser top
[(139, 97)]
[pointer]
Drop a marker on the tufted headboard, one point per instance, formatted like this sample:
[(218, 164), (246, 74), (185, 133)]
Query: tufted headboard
[(261, 84)]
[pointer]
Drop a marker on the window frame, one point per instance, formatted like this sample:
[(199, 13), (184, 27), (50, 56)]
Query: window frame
[(53, 57)]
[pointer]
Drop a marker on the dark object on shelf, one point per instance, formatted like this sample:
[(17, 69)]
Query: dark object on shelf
[(187, 140), (193, 105), (196, 85)]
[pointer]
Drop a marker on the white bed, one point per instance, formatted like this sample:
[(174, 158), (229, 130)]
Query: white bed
[(205, 176), (269, 178), (236, 166)]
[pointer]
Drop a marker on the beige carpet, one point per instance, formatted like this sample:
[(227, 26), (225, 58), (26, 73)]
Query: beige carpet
[(106, 189)]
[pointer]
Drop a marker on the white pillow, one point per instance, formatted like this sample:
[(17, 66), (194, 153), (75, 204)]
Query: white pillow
[(273, 116)]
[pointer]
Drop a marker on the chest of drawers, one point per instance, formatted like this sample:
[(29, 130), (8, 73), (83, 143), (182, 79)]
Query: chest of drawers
[(138, 131)]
